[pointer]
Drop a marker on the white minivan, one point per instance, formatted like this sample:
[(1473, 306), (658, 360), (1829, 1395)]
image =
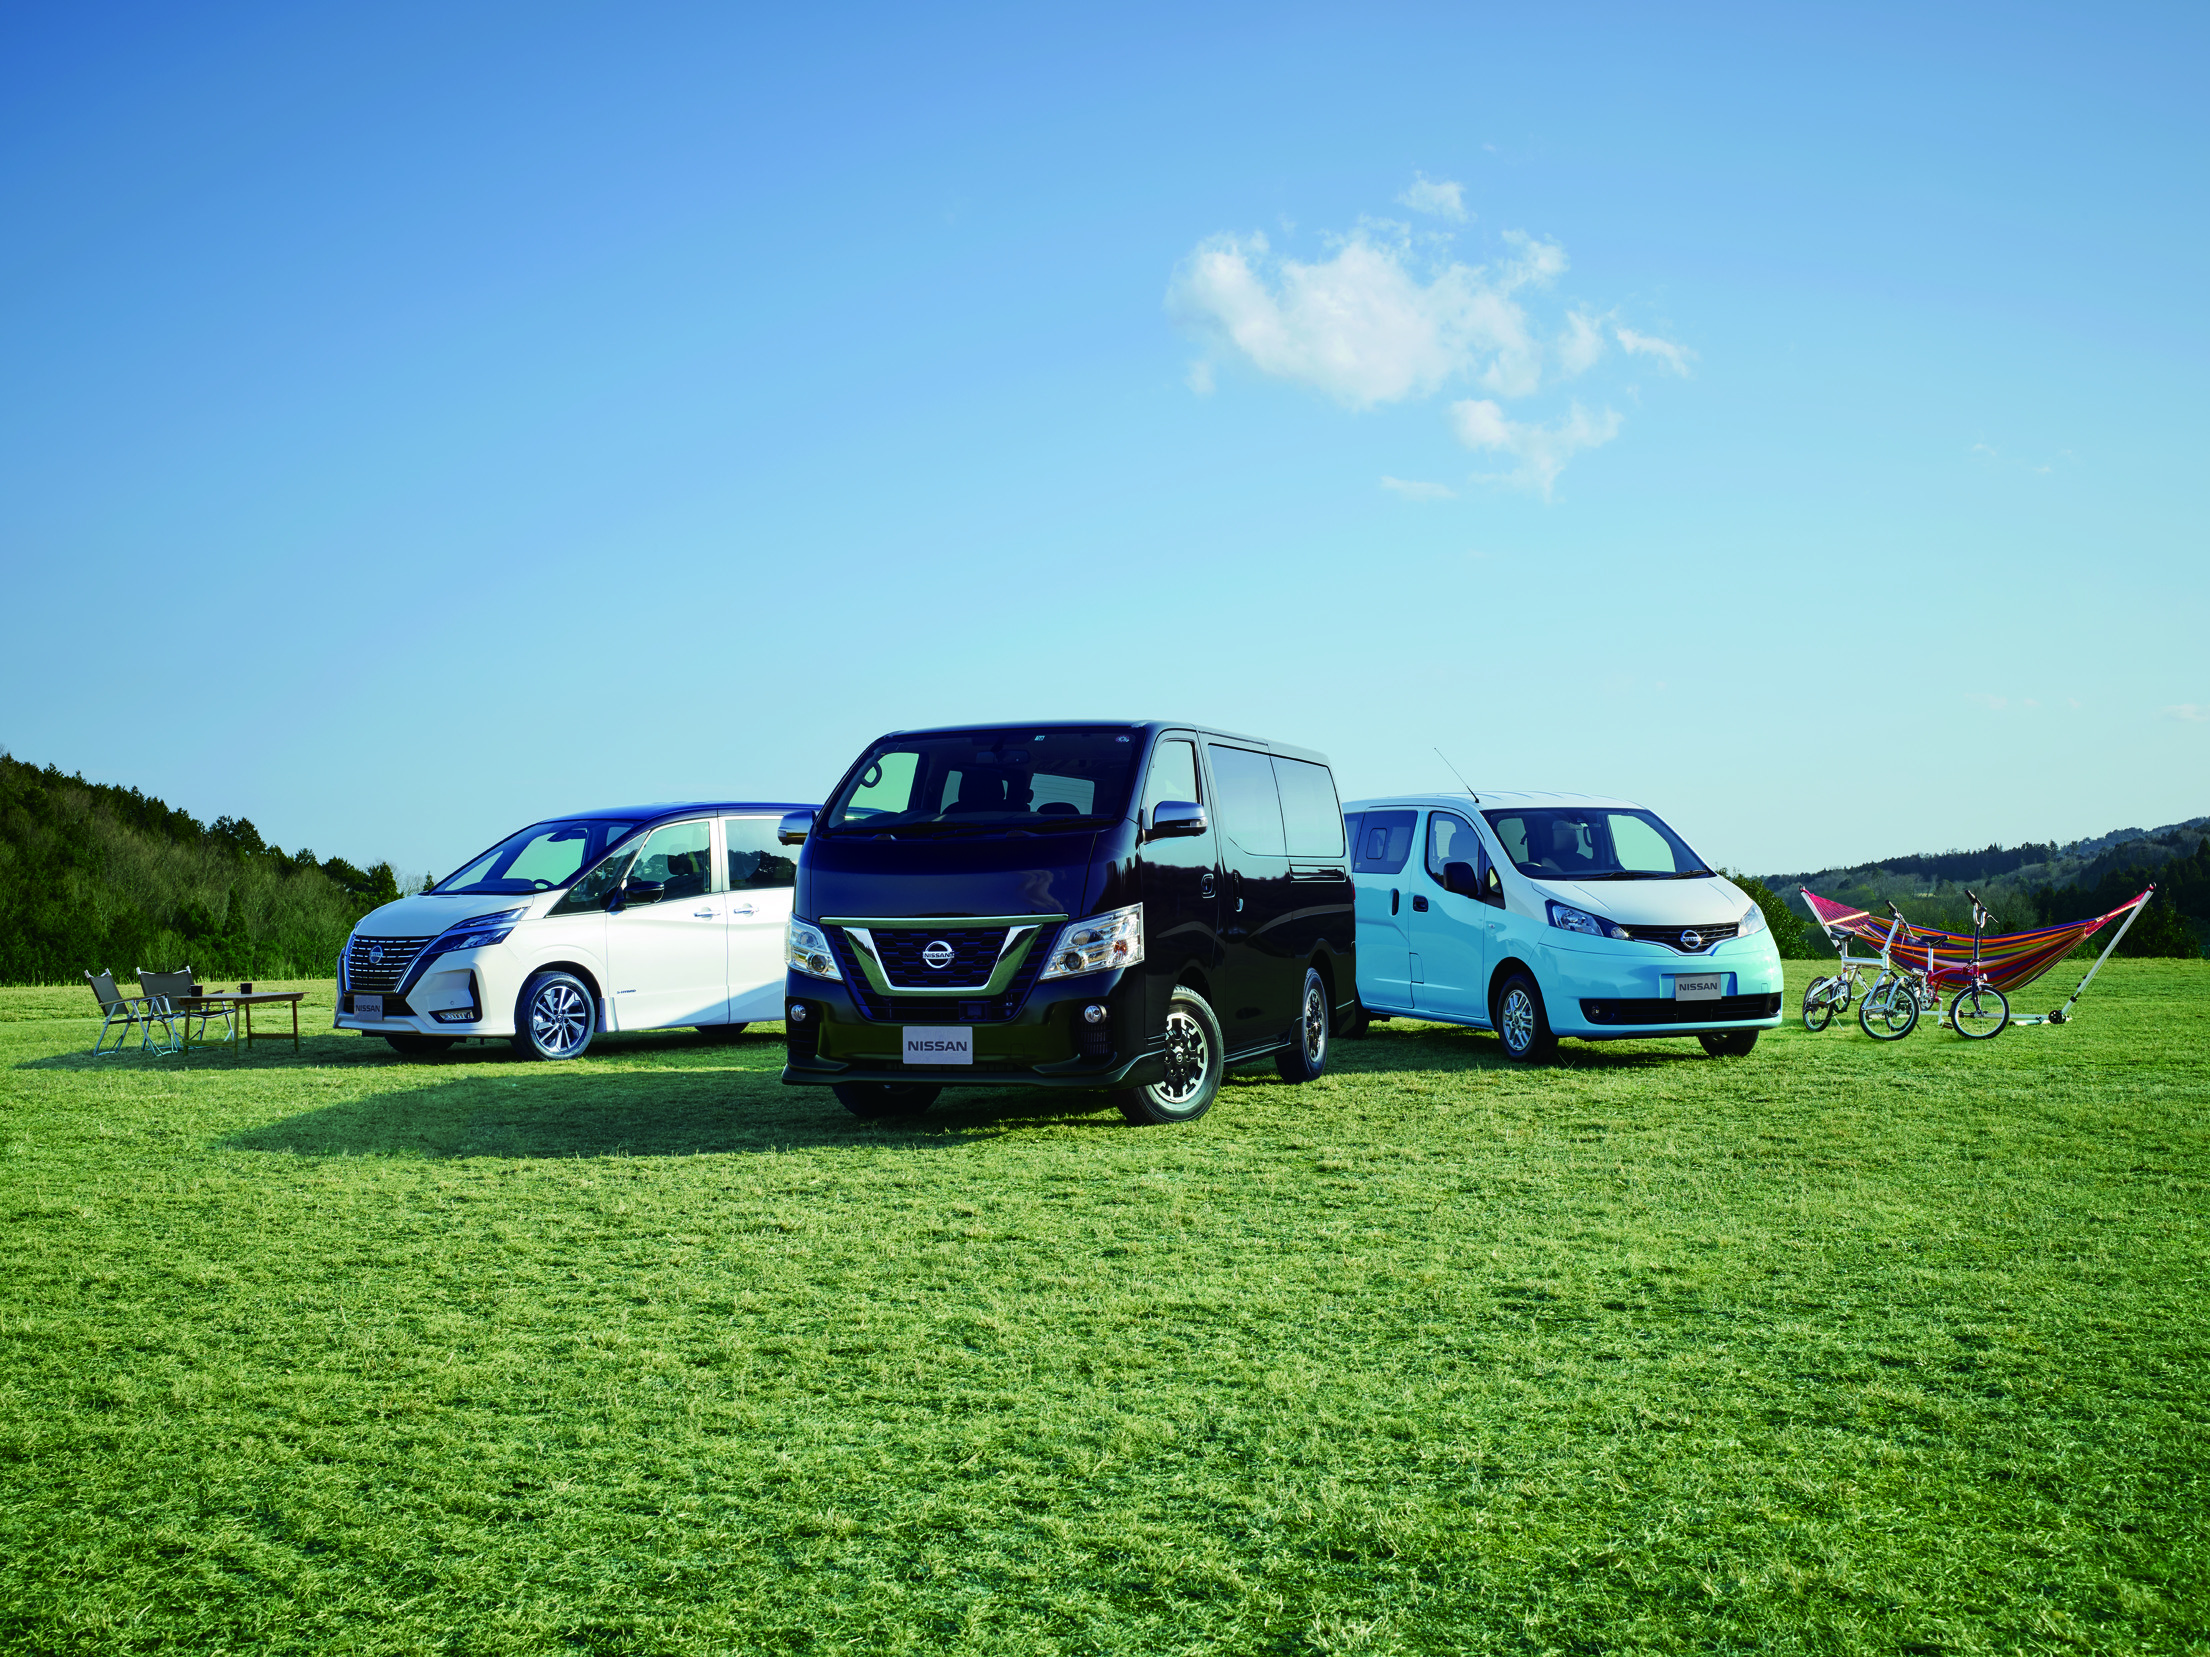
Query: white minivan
[(604, 921), (1547, 915)]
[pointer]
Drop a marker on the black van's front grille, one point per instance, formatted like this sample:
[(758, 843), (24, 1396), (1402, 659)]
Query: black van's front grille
[(905, 955), (935, 1009)]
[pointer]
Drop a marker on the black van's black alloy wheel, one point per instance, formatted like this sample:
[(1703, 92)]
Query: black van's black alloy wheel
[(1307, 1054), (1196, 1058)]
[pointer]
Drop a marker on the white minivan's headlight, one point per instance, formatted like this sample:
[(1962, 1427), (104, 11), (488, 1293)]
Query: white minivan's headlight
[(1567, 918), (807, 951), (1098, 944), (1754, 921)]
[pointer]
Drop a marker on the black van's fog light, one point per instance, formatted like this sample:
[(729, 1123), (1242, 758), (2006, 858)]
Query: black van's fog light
[(1094, 1013), (796, 1012), (801, 1030), (1095, 1032)]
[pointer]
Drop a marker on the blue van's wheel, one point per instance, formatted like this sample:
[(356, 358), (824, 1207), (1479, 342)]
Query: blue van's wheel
[(1307, 1053), (1196, 1059), (1521, 1023)]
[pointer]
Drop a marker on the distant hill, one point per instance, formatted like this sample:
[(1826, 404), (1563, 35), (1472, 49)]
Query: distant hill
[(2039, 884), (93, 876)]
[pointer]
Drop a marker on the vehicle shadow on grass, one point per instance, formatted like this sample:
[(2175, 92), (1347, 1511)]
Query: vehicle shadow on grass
[(650, 1096), (1455, 1047)]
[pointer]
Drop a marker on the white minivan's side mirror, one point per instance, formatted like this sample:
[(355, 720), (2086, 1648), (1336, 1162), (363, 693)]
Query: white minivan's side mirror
[(794, 828)]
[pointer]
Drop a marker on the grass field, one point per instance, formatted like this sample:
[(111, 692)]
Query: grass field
[(1838, 1347)]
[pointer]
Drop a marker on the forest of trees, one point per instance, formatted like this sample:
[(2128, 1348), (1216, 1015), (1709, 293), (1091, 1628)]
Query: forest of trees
[(93, 876)]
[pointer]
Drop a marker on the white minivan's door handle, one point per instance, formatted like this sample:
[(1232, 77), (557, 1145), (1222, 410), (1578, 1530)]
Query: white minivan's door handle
[(742, 909), (703, 914)]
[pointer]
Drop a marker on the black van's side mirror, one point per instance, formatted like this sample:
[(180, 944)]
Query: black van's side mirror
[(1459, 878), (1176, 819), (794, 827)]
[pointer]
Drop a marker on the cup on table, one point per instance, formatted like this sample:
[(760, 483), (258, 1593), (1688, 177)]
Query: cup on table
[(245, 989), (199, 989)]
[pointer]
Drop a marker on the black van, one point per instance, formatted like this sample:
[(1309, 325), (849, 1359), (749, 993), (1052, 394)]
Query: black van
[(1134, 907)]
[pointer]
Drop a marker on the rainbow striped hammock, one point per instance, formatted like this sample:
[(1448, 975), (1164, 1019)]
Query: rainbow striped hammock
[(2009, 959)]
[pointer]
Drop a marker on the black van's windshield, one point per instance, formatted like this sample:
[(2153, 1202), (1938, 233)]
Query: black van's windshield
[(541, 858), (997, 781), (1593, 843)]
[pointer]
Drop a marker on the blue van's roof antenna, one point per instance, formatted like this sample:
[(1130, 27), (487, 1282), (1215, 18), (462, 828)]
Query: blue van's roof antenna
[(1460, 775)]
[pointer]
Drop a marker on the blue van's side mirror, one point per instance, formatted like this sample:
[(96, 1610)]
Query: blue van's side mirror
[(1460, 879), (1176, 819), (794, 827)]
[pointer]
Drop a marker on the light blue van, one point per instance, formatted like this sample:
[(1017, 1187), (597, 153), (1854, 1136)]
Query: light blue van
[(1547, 915)]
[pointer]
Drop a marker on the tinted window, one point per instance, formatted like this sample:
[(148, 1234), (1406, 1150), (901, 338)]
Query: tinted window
[(540, 858), (677, 857), (984, 781), (1250, 807), (1384, 841), (1173, 774), (756, 858), (1592, 843), (1311, 817)]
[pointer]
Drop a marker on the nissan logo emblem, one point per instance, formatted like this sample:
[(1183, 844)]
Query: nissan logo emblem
[(375, 955), (1692, 939), (938, 955)]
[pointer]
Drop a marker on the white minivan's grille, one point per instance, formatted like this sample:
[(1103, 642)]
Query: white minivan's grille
[(377, 964)]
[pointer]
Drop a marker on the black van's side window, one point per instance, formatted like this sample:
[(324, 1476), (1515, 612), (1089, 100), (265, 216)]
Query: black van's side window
[(1173, 775), (1384, 841), (1311, 816), (1250, 808)]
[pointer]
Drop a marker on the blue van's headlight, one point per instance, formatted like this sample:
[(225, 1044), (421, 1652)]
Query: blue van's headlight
[(807, 951), (1569, 919), (1099, 944), (1754, 921), (478, 933)]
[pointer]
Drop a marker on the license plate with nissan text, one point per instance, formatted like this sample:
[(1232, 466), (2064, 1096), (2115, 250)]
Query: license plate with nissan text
[(1708, 986), (368, 1006), (939, 1044)]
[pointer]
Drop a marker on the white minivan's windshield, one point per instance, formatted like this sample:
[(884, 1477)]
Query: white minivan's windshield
[(987, 782), (1593, 843), (541, 858)]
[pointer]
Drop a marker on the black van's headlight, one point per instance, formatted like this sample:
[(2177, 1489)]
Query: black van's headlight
[(1099, 944), (807, 951)]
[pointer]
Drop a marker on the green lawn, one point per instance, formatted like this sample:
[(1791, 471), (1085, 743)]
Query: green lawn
[(1839, 1347)]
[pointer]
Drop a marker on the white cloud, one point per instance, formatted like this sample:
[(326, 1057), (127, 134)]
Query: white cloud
[(1412, 490), (1581, 343), (2192, 713), (1437, 196), (1364, 326), (1675, 357), (1541, 451)]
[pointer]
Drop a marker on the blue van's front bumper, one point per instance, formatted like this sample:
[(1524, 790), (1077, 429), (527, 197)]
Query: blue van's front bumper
[(1606, 989)]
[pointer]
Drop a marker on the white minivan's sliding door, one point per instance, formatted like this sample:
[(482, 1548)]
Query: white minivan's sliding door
[(762, 875), (663, 946)]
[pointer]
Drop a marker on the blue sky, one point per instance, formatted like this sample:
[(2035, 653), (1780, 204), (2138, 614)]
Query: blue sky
[(421, 420)]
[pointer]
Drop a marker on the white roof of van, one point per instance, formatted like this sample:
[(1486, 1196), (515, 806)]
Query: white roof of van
[(1491, 799)]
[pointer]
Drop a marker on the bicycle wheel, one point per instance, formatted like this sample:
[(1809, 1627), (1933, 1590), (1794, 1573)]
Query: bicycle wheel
[(1847, 982), (1818, 1003), (1889, 1011), (1979, 1012)]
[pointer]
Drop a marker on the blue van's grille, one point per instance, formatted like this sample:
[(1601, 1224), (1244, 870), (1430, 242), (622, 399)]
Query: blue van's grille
[(1676, 937), (905, 962), (935, 1009)]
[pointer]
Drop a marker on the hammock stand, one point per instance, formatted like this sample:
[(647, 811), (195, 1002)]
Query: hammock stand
[(2008, 960)]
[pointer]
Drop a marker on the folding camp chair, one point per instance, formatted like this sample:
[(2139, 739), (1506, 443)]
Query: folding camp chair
[(163, 991), (130, 1011)]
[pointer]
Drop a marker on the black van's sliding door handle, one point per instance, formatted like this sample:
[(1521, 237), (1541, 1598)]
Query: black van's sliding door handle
[(1206, 889)]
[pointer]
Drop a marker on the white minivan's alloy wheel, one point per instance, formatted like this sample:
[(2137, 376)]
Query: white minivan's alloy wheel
[(555, 1018)]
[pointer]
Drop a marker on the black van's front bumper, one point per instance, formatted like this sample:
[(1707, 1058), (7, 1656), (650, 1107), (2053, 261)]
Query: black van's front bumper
[(1046, 1044)]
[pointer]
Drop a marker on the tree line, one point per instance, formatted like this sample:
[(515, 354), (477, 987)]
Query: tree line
[(93, 876)]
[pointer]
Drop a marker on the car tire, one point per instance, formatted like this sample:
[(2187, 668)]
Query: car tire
[(1197, 1059), (722, 1032), (1729, 1044), (555, 1017), (872, 1101), (1521, 1024), (1306, 1056), (410, 1044)]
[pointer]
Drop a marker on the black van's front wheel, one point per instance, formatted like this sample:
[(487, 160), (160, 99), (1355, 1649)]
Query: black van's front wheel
[(1305, 1057), (1196, 1058)]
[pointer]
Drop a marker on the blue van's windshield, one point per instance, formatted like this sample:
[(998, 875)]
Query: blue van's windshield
[(541, 858), (1593, 843), (989, 781)]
